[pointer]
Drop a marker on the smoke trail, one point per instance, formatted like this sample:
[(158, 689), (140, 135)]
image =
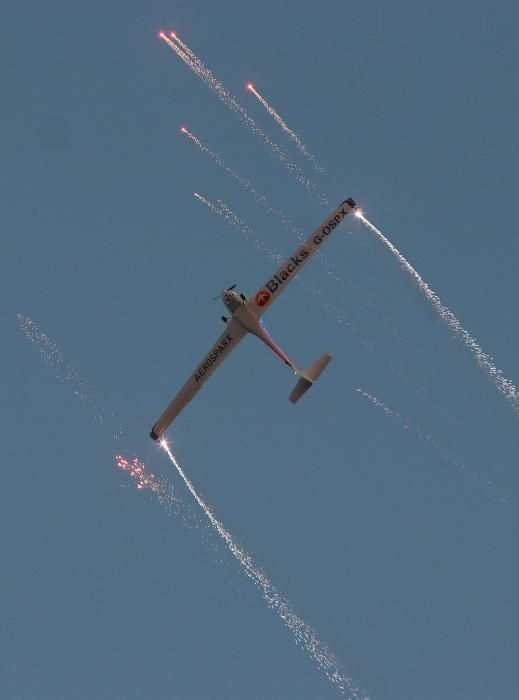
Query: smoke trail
[(246, 184), (331, 267), (295, 138), (163, 490), (200, 69), (66, 374), (304, 635), (484, 361), (234, 220), (239, 225), (425, 437)]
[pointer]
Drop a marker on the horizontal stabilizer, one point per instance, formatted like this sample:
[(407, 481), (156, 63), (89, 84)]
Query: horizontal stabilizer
[(300, 388), (309, 377)]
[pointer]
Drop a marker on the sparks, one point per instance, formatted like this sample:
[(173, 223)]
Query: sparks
[(137, 471), (290, 132), (425, 437), (66, 374), (221, 208), (503, 385), (162, 489), (264, 201), (200, 69), (303, 634)]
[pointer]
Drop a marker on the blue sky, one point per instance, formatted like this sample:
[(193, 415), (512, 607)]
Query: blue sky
[(385, 534)]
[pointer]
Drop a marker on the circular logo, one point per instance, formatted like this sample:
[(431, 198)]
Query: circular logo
[(262, 297)]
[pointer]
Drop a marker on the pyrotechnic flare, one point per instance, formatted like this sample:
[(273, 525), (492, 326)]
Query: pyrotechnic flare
[(484, 361), (165, 493), (184, 56), (200, 69), (304, 635), (159, 486), (292, 134), (186, 49)]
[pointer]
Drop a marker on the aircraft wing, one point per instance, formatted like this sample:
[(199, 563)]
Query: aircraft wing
[(216, 355), (270, 291)]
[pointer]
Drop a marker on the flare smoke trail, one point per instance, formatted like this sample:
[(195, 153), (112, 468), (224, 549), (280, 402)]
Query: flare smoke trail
[(304, 635), (258, 196), (295, 138), (200, 69), (239, 225), (234, 220), (262, 199), (484, 361), (162, 489), (406, 424), (66, 374)]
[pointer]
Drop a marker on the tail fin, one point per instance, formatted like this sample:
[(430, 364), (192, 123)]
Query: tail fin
[(309, 377)]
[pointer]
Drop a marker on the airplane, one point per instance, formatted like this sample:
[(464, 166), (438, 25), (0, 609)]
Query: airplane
[(245, 318)]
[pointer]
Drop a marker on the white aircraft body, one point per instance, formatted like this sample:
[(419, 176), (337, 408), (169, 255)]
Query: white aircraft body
[(245, 318)]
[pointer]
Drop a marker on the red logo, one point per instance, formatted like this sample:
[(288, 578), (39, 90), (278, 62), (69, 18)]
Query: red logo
[(262, 297)]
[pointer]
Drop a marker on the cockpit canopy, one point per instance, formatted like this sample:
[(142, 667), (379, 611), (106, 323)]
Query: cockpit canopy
[(232, 300)]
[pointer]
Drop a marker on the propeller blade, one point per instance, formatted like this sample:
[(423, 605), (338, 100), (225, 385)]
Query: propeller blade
[(226, 290)]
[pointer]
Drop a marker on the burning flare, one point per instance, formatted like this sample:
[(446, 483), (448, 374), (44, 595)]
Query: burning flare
[(200, 69)]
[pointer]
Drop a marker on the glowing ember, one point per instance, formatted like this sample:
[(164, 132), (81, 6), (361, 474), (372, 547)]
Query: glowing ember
[(138, 473), (199, 68), (165, 493)]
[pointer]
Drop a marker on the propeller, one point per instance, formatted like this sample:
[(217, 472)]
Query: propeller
[(225, 290)]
